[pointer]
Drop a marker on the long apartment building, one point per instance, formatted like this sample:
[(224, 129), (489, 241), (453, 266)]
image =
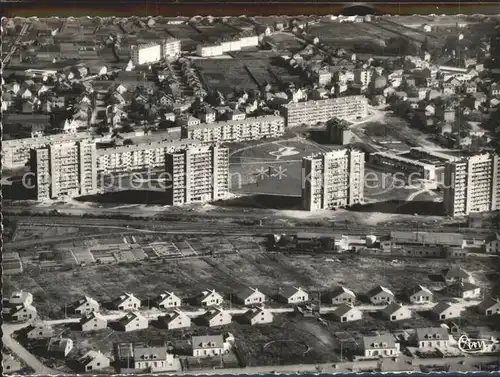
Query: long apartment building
[(64, 170), (236, 130), (16, 153), (333, 179), (400, 164), (197, 174), (472, 185), (140, 156), (312, 112)]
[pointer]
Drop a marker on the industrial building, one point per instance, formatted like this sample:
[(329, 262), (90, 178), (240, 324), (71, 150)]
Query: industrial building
[(472, 185), (197, 174), (312, 112), (339, 133), (236, 130), (334, 179), (139, 156), (64, 170)]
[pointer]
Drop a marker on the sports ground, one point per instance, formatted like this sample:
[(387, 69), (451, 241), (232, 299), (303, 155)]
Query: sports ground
[(272, 167)]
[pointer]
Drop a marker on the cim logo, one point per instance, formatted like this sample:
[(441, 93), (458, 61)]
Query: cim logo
[(467, 345)]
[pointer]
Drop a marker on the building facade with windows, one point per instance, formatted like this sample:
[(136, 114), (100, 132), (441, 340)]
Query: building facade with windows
[(472, 185), (332, 180), (312, 112), (236, 130), (64, 170), (197, 175)]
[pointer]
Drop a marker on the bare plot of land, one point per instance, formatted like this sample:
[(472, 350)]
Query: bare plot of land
[(225, 75), (25, 231), (269, 272), (286, 42)]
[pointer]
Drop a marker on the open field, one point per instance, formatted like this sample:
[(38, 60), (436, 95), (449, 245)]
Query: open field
[(230, 273), (286, 42), (225, 74)]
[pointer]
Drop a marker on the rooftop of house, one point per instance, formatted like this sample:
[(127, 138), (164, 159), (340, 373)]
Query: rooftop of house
[(379, 289), (340, 290), (379, 341), (432, 333), (207, 341), (150, 353), (342, 309)]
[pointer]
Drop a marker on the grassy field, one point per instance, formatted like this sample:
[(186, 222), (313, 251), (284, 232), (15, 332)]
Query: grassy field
[(268, 272)]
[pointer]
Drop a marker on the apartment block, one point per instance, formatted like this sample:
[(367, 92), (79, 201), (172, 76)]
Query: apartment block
[(146, 53), (64, 170), (407, 166), (171, 48), (16, 153), (333, 179), (312, 112), (236, 130), (137, 157), (197, 174), (472, 185)]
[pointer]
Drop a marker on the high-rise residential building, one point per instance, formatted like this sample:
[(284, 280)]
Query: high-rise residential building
[(64, 170), (171, 48), (146, 53), (333, 179), (472, 185), (312, 112), (197, 174)]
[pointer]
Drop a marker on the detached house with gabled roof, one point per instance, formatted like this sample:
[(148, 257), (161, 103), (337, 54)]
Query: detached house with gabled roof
[(127, 301), (209, 298), (293, 295), (492, 244), (380, 346), (431, 337), (419, 295), (216, 317), (155, 359), (207, 345), (21, 298), (86, 305), (176, 319), (456, 274), (342, 295), (396, 312), (59, 347), (92, 322), (256, 316), (443, 311), (93, 360), (19, 313), (168, 300), (347, 313), (489, 306), (42, 331), (464, 290), (133, 321), (380, 295), (250, 296)]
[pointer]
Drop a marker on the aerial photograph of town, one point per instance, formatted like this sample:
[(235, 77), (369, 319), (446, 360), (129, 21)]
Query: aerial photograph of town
[(252, 194)]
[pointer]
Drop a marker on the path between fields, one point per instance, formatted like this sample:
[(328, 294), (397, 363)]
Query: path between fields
[(31, 360)]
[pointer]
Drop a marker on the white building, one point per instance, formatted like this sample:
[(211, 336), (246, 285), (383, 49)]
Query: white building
[(293, 295), (428, 339), (197, 175), (313, 112), (168, 300), (472, 185), (267, 126), (257, 316), (146, 53), (380, 346), (155, 359), (171, 48), (207, 345), (64, 170), (333, 179)]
